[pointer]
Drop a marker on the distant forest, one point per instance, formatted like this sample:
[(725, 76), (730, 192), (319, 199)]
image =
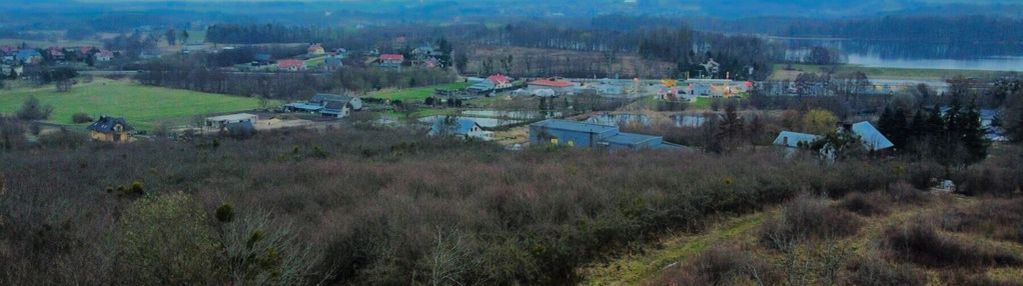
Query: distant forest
[(676, 44)]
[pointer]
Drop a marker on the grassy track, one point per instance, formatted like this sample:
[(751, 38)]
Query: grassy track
[(143, 106), (634, 269)]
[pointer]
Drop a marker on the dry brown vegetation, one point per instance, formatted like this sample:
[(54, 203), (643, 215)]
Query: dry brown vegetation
[(897, 235), (377, 206), (368, 205)]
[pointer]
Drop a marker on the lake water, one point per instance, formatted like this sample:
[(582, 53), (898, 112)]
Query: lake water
[(680, 120), (520, 115), (485, 122), (905, 54), (985, 64)]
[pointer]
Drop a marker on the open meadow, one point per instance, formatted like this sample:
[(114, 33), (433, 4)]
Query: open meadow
[(416, 94), (143, 106)]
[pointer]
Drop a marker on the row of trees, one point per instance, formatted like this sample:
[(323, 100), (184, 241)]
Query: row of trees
[(185, 74), (953, 137)]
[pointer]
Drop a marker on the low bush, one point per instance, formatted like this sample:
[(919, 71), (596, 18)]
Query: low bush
[(807, 218), (904, 193), (81, 117), (32, 109), (64, 139), (1000, 175), (919, 242), (992, 218), (721, 266), (876, 272), (963, 278), (865, 204)]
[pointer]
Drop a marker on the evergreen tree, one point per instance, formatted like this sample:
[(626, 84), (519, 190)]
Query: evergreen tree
[(731, 128), (972, 135), (893, 125)]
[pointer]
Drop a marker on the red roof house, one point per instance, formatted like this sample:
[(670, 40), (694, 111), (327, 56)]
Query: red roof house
[(291, 65), (551, 83), (500, 81), (391, 60), (316, 49), (104, 55)]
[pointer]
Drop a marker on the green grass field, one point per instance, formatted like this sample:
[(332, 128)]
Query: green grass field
[(781, 73), (415, 94), (143, 106), (315, 63), (196, 36)]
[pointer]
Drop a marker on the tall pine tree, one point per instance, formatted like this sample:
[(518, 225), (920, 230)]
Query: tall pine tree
[(971, 134)]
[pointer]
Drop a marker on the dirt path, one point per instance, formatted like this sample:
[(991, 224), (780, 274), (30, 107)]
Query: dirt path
[(634, 268)]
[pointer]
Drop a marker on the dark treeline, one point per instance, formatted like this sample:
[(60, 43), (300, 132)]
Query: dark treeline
[(742, 57), (922, 29), (246, 54), (195, 73)]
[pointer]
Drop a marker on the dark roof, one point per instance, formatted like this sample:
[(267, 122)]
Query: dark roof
[(631, 139), (574, 126), (244, 126), (106, 124), (332, 62), (325, 99)]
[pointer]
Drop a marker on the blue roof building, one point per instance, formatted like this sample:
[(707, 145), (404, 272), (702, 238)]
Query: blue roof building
[(460, 127), (590, 135), (872, 138), (794, 139), (330, 105), (28, 55)]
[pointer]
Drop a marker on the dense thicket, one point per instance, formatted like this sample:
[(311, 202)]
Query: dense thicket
[(376, 206), (195, 74)]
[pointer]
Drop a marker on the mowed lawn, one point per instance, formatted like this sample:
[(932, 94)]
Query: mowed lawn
[(143, 106), (415, 94)]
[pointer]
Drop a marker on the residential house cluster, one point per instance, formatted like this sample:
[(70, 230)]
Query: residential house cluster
[(496, 82), (460, 127), (13, 59), (550, 87), (871, 138)]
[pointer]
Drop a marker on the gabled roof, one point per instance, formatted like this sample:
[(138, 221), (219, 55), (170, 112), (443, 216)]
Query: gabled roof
[(872, 138), (262, 57), (499, 78), (315, 48), (290, 63), (574, 126), (305, 106), (551, 83), (794, 138), (321, 97), (465, 126), (392, 57), (331, 101), (483, 85), (106, 124), (27, 53)]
